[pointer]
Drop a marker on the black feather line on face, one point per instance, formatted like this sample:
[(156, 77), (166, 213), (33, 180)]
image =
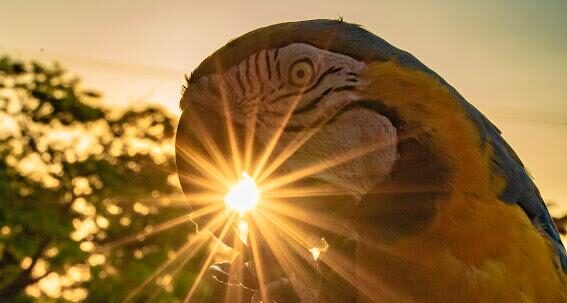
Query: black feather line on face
[(330, 71), (268, 64), (313, 103)]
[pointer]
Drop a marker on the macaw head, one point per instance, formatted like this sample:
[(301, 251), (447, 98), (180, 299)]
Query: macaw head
[(327, 102), (289, 105), (293, 90)]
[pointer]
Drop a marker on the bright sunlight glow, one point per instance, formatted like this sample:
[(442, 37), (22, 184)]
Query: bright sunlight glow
[(243, 196)]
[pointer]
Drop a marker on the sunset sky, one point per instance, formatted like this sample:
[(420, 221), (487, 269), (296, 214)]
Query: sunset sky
[(508, 57)]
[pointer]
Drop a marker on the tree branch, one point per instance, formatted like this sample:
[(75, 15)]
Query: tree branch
[(7, 259), (25, 278)]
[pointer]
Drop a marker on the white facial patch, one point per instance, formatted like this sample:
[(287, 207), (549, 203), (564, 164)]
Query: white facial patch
[(263, 86)]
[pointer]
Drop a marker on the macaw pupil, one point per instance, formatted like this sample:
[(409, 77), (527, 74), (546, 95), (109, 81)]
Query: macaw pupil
[(301, 73)]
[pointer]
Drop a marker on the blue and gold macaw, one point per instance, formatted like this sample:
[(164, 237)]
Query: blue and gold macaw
[(442, 208)]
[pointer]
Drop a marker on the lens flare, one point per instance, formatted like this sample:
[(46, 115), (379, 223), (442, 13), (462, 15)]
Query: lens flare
[(243, 196), (243, 231), (320, 247)]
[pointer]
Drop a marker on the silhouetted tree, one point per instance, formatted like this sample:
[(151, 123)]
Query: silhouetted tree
[(81, 187)]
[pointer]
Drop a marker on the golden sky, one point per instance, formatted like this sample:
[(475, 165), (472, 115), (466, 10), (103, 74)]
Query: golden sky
[(507, 57)]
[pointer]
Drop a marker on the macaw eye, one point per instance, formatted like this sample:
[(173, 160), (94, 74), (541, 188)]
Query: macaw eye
[(301, 72)]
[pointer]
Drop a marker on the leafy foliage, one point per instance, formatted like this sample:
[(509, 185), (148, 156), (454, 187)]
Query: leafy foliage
[(76, 182)]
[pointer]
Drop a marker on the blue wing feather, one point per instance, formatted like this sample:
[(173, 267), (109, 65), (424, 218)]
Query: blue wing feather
[(520, 187)]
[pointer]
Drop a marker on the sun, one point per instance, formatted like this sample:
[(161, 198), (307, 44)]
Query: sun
[(243, 196)]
